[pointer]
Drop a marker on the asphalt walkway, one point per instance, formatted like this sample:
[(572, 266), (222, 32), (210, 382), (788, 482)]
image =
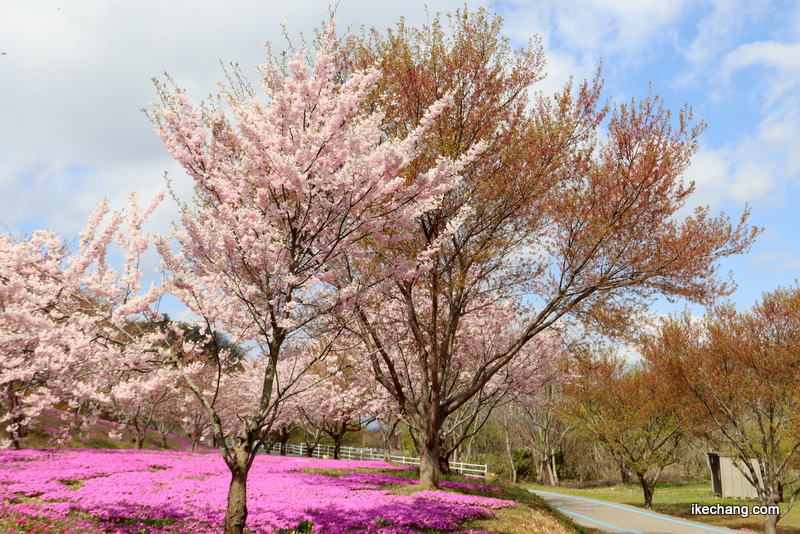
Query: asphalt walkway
[(618, 518)]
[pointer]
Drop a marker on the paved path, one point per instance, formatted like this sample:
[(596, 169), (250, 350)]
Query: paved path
[(618, 518)]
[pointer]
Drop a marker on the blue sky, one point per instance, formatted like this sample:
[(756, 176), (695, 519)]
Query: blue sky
[(75, 75)]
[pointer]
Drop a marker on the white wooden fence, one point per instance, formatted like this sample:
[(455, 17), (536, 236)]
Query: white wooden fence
[(468, 470), (357, 453)]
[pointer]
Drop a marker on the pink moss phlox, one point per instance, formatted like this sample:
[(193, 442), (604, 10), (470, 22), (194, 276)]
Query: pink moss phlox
[(183, 493)]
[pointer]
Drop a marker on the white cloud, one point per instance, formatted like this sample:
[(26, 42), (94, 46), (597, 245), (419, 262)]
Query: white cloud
[(747, 170), (775, 67), (709, 171), (757, 165), (75, 76), (717, 30), (776, 263), (594, 28), (783, 56), (752, 181)]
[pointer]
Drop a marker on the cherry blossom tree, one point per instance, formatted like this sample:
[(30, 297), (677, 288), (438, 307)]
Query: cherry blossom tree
[(66, 316), (550, 214), (137, 399), (29, 275), (194, 419), (343, 403), (490, 327), (288, 190)]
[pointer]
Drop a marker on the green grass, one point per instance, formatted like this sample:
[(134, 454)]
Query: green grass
[(676, 498)]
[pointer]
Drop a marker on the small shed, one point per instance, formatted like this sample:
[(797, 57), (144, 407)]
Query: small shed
[(727, 480)]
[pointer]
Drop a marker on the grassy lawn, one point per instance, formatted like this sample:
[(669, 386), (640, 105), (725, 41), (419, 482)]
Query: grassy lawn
[(676, 499)]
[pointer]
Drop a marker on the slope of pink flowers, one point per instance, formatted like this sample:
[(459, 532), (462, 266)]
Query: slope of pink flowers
[(180, 492)]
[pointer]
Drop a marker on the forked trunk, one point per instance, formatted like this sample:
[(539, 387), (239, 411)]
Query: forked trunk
[(510, 454), (543, 470), (648, 487), (552, 469), (138, 439)]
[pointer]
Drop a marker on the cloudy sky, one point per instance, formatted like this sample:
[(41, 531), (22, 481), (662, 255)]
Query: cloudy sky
[(75, 75)]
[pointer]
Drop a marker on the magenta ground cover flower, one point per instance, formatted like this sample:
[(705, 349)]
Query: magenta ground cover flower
[(167, 491)]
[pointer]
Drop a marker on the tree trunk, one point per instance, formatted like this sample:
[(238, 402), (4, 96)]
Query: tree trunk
[(552, 469), (138, 436), (284, 437), (511, 458), (429, 474), (236, 513), (14, 437), (444, 463), (387, 432), (770, 523), (312, 446), (648, 487), (337, 447), (543, 470), (387, 446), (15, 433), (624, 474)]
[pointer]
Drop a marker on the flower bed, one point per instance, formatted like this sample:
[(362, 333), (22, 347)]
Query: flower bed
[(126, 491)]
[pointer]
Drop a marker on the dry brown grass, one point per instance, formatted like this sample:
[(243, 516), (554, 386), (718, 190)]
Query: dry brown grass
[(521, 519)]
